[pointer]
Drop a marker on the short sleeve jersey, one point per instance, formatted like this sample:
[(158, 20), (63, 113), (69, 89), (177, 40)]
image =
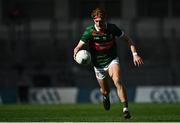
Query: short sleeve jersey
[(102, 46)]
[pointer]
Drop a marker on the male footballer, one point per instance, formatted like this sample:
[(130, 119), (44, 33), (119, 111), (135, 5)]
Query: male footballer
[(101, 39)]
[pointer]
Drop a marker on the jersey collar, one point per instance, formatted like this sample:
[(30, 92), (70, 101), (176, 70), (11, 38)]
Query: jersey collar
[(98, 29)]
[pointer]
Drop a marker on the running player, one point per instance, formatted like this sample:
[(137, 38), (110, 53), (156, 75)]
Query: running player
[(101, 37)]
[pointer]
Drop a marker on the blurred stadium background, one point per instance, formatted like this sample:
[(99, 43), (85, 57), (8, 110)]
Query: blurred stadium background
[(37, 38)]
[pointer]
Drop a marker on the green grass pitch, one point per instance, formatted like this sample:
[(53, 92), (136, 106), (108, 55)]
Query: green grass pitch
[(89, 113)]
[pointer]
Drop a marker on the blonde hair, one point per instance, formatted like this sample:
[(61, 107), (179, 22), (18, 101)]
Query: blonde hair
[(98, 13)]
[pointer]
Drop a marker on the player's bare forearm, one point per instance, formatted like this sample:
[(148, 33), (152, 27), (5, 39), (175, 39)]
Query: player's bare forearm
[(77, 48), (130, 43), (136, 58), (133, 48)]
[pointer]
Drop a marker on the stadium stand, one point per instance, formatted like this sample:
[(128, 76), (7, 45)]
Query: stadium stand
[(41, 50)]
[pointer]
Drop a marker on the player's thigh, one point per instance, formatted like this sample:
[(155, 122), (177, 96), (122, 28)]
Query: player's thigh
[(101, 75), (103, 84), (114, 71)]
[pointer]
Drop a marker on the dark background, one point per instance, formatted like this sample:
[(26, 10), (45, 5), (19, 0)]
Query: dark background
[(37, 38)]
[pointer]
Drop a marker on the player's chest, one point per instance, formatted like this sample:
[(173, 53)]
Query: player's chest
[(98, 37)]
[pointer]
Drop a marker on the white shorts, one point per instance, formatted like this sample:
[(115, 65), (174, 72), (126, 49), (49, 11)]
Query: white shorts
[(101, 73)]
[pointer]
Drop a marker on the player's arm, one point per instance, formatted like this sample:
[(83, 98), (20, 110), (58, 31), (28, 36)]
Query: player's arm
[(83, 40), (136, 58), (78, 47)]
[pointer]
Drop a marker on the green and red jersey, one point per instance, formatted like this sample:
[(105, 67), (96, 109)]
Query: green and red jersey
[(102, 46)]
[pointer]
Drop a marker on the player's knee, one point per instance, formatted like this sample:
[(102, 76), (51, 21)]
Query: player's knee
[(116, 80), (104, 92)]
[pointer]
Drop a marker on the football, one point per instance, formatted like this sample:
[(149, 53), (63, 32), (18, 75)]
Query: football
[(83, 57)]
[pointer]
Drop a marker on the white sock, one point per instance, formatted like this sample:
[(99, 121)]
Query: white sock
[(125, 109)]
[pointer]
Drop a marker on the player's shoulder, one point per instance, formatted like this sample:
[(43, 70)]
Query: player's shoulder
[(111, 25)]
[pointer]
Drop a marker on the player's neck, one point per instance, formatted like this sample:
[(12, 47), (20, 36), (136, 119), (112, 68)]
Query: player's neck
[(101, 29)]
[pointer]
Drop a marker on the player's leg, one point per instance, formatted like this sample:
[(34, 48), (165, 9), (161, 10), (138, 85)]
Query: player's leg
[(114, 73), (104, 89)]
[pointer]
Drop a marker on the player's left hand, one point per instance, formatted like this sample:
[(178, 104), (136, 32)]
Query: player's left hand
[(137, 60)]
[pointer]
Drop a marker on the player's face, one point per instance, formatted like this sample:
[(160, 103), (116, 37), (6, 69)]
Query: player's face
[(99, 22)]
